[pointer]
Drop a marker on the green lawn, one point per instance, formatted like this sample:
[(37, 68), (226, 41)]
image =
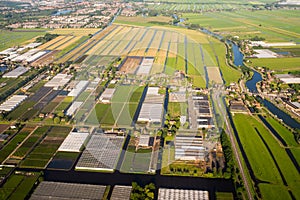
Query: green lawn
[(137, 162), (176, 109)]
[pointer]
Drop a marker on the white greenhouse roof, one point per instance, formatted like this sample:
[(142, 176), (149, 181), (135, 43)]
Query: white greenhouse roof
[(15, 73), (78, 88), (73, 142), (151, 112), (166, 193), (58, 81), (72, 109), (12, 102)]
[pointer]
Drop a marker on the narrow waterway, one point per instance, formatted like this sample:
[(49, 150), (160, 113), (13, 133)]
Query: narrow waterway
[(251, 84), (286, 118)]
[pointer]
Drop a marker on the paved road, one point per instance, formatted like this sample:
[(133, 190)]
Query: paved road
[(218, 94)]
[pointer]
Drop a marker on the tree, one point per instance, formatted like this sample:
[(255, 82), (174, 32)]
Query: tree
[(56, 120)]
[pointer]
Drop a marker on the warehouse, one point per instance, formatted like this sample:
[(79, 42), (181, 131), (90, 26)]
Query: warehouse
[(15, 73), (74, 142), (25, 56), (200, 112), (12, 102), (107, 95)]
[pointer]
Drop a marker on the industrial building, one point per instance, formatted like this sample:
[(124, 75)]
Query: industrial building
[(72, 109), (121, 192), (80, 87), (201, 109)]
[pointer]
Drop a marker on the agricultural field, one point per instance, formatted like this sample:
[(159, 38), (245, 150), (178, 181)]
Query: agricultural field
[(19, 185), (214, 75), (74, 31), (189, 6), (13, 38), (273, 26), (11, 146), (144, 21), (286, 134), (273, 164), (277, 64), (40, 156), (27, 145)]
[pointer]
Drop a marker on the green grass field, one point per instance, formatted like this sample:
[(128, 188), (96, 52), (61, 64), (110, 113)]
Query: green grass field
[(144, 21), (177, 109), (277, 64), (263, 165), (283, 132), (14, 38), (274, 26)]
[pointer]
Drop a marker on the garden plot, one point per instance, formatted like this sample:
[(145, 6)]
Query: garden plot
[(44, 151)]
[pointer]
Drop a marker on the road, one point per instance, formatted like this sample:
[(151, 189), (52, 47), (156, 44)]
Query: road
[(218, 94)]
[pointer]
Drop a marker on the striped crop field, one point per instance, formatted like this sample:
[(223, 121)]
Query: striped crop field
[(173, 49), (51, 42)]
